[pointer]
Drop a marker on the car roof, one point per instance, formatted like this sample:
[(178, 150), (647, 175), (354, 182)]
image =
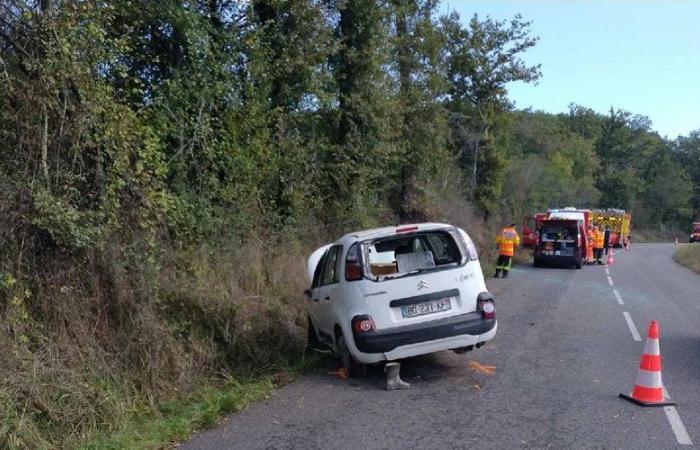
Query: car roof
[(376, 233)]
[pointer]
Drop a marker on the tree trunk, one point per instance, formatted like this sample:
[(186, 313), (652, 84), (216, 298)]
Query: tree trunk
[(45, 147)]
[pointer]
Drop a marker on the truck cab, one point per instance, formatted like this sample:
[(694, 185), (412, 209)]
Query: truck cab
[(695, 235)]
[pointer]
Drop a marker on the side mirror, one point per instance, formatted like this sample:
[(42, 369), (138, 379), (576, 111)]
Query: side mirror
[(307, 292)]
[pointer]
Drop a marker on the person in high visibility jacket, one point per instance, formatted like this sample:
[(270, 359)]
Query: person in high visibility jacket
[(589, 244), (598, 243), (507, 240)]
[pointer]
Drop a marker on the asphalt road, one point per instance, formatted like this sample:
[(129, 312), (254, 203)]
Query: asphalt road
[(563, 352)]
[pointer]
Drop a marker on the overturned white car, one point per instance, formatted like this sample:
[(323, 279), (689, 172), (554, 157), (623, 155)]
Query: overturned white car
[(396, 292)]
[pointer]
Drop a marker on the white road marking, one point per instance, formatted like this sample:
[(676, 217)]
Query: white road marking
[(632, 326), (676, 423), (607, 271), (674, 419), (618, 297)]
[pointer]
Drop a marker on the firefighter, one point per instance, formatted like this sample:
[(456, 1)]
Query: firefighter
[(589, 244), (606, 241), (598, 243), (507, 240)]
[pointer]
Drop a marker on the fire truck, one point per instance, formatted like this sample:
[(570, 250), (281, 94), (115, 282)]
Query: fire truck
[(617, 221)]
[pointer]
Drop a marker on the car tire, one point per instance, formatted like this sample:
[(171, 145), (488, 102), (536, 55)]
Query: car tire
[(312, 342), (353, 368)]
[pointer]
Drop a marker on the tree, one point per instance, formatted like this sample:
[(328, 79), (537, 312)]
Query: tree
[(687, 151), (422, 122), (482, 59)]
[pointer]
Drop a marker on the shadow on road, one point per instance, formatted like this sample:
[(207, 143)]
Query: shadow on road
[(420, 370)]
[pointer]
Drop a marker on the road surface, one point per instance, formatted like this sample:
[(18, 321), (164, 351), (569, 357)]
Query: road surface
[(567, 345)]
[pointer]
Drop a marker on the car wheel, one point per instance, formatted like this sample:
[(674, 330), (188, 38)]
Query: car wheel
[(312, 342), (352, 367)]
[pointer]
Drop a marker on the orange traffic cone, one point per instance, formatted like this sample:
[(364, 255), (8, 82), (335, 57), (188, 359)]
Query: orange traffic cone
[(648, 390), (611, 260)]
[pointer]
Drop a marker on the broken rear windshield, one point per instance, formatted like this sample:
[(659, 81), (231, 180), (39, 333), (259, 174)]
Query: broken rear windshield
[(413, 253)]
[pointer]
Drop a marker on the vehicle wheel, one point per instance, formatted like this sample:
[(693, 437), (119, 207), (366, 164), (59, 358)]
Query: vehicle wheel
[(536, 262), (352, 367), (312, 342)]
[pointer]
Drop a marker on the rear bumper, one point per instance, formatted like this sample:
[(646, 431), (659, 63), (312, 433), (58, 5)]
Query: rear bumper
[(428, 337), (558, 260)]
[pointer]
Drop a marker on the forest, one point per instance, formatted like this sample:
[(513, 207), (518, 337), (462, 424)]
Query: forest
[(166, 168)]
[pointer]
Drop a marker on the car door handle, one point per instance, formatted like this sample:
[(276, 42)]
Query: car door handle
[(327, 297)]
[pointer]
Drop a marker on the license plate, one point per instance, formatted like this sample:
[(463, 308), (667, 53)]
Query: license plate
[(420, 309)]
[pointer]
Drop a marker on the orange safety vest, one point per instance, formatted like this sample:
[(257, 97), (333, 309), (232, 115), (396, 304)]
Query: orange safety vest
[(598, 239), (507, 240), (589, 245)]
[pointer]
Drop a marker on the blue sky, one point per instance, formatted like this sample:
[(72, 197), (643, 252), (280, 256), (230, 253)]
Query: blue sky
[(641, 56)]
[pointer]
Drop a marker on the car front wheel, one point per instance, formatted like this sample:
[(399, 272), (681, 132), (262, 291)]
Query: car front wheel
[(352, 367)]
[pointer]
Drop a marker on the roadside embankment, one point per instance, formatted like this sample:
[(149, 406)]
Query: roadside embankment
[(688, 255)]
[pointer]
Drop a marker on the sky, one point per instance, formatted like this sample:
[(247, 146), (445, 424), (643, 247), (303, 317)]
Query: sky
[(640, 56)]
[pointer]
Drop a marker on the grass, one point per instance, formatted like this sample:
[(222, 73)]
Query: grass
[(688, 255), (163, 425), (650, 236), (173, 421)]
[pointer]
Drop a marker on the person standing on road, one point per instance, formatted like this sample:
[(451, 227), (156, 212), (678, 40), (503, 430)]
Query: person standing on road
[(507, 240), (589, 244), (606, 241), (598, 244)]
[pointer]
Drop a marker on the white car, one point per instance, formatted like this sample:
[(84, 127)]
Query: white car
[(396, 292)]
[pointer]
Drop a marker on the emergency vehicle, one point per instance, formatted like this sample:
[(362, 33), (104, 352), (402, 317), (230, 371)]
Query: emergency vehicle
[(561, 242), (528, 230), (531, 223), (695, 235), (617, 220)]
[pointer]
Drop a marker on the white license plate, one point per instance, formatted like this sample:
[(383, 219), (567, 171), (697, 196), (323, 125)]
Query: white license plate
[(420, 309)]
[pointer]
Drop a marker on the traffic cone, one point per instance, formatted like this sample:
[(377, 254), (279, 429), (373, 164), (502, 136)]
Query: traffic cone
[(611, 260), (648, 390)]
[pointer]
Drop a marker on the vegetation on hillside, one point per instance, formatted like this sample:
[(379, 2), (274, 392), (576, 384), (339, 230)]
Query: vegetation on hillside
[(167, 166)]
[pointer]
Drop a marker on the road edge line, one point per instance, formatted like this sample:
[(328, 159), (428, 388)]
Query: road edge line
[(618, 297), (632, 326), (677, 425)]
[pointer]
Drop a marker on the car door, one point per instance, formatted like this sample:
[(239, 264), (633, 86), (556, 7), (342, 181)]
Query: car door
[(328, 292), (315, 294)]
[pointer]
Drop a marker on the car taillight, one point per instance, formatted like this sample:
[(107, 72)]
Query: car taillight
[(353, 268), (363, 324), (353, 271), (487, 308)]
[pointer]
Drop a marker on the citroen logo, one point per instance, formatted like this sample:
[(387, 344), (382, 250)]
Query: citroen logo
[(423, 284)]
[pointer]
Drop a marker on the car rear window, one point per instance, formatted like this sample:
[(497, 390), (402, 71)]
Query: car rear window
[(402, 255), (558, 233)]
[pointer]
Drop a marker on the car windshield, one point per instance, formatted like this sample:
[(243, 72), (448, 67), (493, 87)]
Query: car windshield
[(407, 254)]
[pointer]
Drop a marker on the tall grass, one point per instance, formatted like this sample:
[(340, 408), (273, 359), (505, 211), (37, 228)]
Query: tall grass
[(109, 350), (688, 255)]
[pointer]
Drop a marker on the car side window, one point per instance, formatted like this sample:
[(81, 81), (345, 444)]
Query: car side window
[(330, 265), (318, 272)]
